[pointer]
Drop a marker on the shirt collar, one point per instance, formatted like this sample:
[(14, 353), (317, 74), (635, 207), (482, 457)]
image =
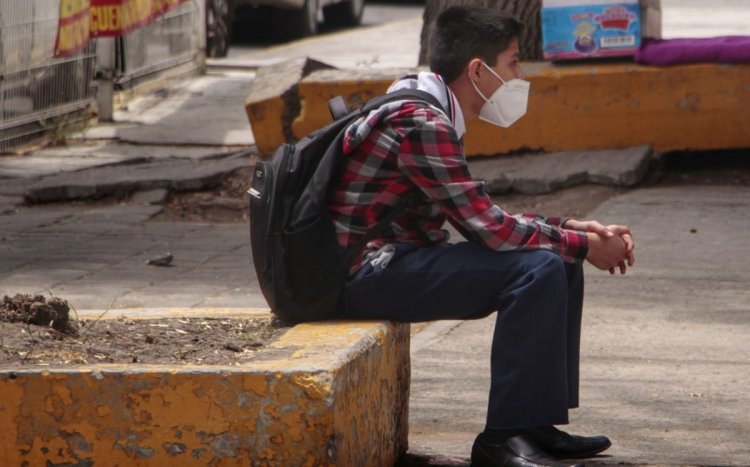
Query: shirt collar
[(435, 85)]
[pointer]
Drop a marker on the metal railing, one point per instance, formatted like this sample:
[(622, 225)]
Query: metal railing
[(38, 92), (171, 40)]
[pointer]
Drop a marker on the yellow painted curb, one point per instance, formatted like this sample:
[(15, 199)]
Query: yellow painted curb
[(577, 107), (692, 107), (331, 393), (317, 89), (266, 118)]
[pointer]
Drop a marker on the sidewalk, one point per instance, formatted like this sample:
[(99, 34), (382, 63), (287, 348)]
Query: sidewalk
[(186, 137), (665, 355), (666, 358)]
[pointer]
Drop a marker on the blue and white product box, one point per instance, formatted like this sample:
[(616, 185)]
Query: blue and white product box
[(590, 28)]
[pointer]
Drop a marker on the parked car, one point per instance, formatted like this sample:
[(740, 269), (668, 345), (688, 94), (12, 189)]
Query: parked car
[(219, 19), (287, 18)]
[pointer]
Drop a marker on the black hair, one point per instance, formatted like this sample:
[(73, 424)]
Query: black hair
[(462, 33)]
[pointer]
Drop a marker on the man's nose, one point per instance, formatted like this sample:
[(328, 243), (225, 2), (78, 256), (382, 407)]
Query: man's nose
[(520, 74)]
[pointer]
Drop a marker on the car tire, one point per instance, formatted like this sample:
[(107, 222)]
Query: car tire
[(302, 22), (218, 27), (347, 13)]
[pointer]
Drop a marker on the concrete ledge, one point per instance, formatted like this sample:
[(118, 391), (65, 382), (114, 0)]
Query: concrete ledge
[(572, 107), (534, 174), (274, 101), (324, 394), (126, 178)]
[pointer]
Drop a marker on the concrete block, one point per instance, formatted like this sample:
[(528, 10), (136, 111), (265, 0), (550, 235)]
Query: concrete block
[(274, 102), (331, 393), (625, 167), (572, 107), (606, 106), (355, 87), (535, 174)]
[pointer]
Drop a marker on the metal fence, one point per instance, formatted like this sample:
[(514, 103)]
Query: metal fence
[(38, 92), (41, 94), (173, 39)]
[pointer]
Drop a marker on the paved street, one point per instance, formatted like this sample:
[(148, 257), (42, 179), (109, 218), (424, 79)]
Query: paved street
[(666, 358), (96, 259)]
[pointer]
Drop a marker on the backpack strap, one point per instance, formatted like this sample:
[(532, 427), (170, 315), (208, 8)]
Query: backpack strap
[(404, 95), (332, 158), (338, 107)]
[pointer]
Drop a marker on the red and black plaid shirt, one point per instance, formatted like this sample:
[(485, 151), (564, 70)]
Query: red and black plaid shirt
[(411, 149)]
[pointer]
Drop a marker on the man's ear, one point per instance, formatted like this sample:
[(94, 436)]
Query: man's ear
[(475, 68)]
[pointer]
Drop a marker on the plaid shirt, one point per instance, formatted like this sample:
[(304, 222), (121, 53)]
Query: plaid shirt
[(410, 149)]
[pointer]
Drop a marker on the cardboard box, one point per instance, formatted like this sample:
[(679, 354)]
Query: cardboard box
[(575, 29)]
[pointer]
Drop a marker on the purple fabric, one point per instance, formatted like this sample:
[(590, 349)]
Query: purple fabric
[(664, 52)]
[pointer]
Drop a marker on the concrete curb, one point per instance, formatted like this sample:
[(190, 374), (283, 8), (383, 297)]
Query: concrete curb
[(122, 179), (535, 174), (333, 393), (274, 100), (572, 107), (8, 203)]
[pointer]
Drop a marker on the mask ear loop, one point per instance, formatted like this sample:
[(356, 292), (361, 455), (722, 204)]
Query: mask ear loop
[(476, 88), (494, 73)]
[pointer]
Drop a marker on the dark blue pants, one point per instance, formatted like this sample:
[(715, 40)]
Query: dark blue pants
[(536, 342)]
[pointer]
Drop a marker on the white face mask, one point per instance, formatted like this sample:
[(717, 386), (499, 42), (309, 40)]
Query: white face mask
[(507, 104)]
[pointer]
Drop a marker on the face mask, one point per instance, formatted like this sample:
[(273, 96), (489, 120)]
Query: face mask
[(507, 104)]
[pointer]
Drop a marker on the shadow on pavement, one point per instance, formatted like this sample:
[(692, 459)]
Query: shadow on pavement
[(423, 460)]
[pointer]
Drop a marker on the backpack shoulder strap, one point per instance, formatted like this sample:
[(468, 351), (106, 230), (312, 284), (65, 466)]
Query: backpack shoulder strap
[(338, 128), (338, 107), (404, 95)]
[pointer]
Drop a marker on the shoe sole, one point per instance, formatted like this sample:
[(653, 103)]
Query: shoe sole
[(585, 455)]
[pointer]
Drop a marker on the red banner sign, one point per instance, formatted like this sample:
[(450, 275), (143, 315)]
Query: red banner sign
[(119, 17), (82, 19), (73, 31)]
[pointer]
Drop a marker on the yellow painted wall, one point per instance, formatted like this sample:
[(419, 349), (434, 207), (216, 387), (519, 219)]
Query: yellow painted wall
[(580, 107), (324, 394)]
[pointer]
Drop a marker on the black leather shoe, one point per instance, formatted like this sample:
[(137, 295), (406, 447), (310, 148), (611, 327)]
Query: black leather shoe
[(517, 451), (563, 445)]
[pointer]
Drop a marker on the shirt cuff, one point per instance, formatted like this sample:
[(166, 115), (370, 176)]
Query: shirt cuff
[(577, 246), (558, 221)]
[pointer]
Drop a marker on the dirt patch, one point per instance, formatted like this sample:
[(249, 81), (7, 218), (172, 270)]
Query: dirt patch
[(32, 334), (37, 310), (227, 203)]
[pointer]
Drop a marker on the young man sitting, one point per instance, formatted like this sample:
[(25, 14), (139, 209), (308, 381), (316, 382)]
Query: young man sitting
[(527, 268)]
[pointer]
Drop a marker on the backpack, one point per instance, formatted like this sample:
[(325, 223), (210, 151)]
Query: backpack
[(300, 266)]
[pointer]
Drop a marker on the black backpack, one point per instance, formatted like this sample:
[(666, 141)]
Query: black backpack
[(300, 266)]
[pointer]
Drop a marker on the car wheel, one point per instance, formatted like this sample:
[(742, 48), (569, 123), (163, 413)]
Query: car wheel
[(302, 22), (347, 13), (218, 27)]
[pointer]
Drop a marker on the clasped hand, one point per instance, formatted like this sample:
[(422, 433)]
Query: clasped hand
[(610, 247)]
